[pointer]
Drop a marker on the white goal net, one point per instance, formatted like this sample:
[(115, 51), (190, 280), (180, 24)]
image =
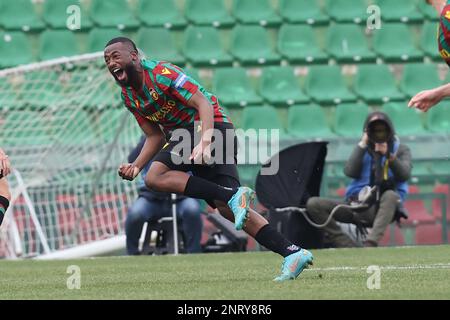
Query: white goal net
[(63, 127)]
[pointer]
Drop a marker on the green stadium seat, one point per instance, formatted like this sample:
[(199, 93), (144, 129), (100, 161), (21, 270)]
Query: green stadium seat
[(336, 172), (233, 88), (251, 45), (32, 134), (428, 42), (262, 117), (418, 77), (447, 78), (308, 122), (92, 95), (132, 131), (55, 14), (109, 123), (302, 11), (347, 10), (193, 73), (79, 77), (343, 147), (105, 97), (298, 44), (113, 13), (202, 47), (394, 43), (247, 174), (256, 12), (235, 114), (428, 11), (99, 37), (159, 44), (426, 149), (79, 129), (349, 119), (420, 169), (9, 96), (376, 84), (42, 89), (407, 122), (438, 119), (325, 85), (441, 168), (15, 49), (56, 44), (208, 13), (20, 15), (404, 11), (280, 87), (167, 14), (347, 44)]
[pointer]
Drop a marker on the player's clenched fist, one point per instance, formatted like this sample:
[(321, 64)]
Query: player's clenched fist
[(128, 171)]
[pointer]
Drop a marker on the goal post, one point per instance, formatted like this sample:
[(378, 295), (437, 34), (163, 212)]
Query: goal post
[(63, 127)]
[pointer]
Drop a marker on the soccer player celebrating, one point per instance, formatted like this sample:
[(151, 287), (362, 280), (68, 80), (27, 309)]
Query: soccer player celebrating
[(5, 196), (425, 100), (163, 98)]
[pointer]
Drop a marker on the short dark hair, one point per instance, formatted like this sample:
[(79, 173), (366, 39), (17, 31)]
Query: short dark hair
[(122, 40)]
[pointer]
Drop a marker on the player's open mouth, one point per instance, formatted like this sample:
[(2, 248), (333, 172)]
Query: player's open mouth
[(119, 73)]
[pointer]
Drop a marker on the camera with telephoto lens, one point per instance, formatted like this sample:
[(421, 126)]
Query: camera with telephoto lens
[(379, 131)]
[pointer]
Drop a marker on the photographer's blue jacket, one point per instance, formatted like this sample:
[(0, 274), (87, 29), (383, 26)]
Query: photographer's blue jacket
[(363, 178)]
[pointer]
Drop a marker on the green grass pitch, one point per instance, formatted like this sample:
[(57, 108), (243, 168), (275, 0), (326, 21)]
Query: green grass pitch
[(405, 273)]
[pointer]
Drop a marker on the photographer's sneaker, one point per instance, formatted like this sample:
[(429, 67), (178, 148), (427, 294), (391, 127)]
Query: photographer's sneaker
[(240, 203), (294, 264)]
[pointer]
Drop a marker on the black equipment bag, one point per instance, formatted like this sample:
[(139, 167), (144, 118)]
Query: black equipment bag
[(299, 177)]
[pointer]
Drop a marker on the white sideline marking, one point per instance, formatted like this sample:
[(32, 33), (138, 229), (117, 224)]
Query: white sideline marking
[(412, 267)]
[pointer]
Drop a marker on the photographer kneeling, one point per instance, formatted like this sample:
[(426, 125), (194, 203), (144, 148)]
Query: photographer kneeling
[(381, 162)]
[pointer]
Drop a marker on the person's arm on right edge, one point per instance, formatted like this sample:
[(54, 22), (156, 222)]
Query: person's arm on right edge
[(425, 100), (154, 141)]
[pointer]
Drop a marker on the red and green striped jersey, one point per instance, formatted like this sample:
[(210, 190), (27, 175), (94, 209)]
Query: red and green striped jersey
[(165, 95), (444, 33)]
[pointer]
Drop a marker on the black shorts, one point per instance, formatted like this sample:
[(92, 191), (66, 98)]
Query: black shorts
[(223, 171)]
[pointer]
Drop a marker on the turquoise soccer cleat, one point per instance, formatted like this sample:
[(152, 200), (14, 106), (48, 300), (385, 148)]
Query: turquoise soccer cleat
[(240, 203), (294, 264)]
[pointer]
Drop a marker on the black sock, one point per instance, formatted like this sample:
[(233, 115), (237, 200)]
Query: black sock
[(270, 238), (203, 189)]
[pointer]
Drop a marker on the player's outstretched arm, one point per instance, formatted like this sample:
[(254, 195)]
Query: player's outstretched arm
[(153, 143), (425, 100)]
